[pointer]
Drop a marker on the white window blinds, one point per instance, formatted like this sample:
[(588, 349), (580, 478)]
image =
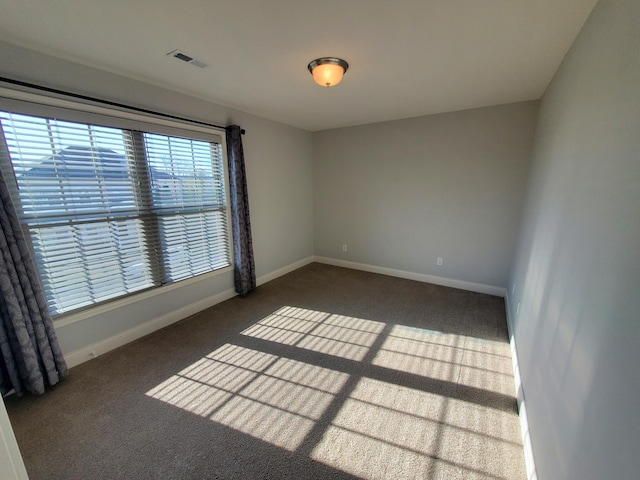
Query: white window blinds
[(112, 211)]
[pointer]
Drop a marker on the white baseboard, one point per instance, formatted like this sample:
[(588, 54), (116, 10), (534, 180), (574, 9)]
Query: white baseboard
[(522, 407), (420, 277), (99, 348), (284, 270)]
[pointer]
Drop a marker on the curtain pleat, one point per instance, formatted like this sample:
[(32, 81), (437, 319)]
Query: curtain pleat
[(244, 266), (31, 358)]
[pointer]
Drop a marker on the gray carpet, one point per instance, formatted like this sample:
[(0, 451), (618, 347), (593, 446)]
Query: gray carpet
[(323, 373)]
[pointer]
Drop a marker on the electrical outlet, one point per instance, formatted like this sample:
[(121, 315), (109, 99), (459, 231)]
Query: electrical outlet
[(344, 247), (439, 261)]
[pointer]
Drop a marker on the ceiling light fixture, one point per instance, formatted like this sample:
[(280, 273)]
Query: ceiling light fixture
[(328, 71)]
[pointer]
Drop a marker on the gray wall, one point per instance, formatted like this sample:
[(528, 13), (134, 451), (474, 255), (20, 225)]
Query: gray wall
[(279, 170), (577, 268), (402, 193)]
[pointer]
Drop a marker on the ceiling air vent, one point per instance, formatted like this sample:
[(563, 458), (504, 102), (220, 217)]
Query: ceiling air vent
[(180, 55)]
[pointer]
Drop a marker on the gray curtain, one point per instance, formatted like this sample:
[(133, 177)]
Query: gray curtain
[(245, 270), (30, 358)]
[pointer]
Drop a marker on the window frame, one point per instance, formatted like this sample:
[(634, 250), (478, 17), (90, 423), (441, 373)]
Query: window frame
[(27, 103)]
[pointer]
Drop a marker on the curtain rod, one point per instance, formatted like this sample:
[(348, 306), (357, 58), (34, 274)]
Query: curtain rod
[(110, 103)]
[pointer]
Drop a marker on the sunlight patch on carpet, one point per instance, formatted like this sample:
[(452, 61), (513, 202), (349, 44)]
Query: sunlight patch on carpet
[(275, 399), (337, 335), (385, 431), (359, 422), (487, 365), (422, 352)]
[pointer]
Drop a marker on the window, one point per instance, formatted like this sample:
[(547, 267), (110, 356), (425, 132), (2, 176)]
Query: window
[(110, 211)]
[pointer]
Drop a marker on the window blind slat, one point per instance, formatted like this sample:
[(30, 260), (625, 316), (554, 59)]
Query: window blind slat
[(110, 211)]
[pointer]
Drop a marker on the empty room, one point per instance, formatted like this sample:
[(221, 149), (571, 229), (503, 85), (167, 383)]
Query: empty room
[(344, 239)]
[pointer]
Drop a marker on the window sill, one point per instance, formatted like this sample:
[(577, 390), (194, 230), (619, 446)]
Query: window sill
[(71, 318)]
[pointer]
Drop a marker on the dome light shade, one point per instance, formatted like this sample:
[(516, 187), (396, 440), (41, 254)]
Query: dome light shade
[(328, 71)]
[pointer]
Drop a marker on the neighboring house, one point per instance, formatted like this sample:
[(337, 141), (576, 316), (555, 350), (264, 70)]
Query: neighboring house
[(96, 177)]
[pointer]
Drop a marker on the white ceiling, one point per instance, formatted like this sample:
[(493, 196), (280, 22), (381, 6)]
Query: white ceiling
[(407, 57)]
